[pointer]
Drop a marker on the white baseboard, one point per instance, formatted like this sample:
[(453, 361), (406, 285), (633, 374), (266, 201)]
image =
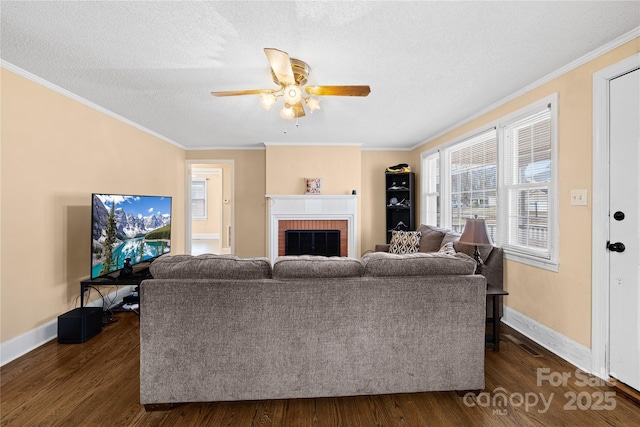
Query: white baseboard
[(205, 236), (23, 344), (566, 348)]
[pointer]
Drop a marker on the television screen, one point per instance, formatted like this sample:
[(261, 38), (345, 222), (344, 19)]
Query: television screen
[(137, 228)]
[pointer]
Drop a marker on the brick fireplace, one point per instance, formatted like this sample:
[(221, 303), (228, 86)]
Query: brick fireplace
[(312, 212)]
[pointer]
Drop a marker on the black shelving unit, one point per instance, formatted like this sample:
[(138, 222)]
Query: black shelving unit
[(400, 200)]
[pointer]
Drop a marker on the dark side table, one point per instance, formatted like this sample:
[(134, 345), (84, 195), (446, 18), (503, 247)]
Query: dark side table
[(493, 341)]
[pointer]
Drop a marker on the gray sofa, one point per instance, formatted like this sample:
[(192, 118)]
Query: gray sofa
[(432, 240), (219, 328)]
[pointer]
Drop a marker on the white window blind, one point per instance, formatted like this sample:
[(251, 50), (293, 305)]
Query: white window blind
[(199, 198), (431, 189), (473, 185), (526, 207)]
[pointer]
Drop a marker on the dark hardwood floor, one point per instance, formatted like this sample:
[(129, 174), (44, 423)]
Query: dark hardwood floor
[(96, 384)]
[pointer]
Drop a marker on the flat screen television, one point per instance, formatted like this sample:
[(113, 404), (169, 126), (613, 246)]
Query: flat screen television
[(128, 230)]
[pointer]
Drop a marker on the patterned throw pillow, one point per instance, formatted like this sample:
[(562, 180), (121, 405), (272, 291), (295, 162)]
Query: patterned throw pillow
[(404, 242), (448, 248)]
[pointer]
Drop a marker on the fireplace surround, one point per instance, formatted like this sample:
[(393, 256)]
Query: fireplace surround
[(317, 212)]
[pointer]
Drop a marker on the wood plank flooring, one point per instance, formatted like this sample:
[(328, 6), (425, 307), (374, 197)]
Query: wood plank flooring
[(97, 384)]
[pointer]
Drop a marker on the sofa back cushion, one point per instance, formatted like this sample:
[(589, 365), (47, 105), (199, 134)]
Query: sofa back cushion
[(431, 238), (433, 233), (451, 237), (209, 266), (417, 264), (313, 266)]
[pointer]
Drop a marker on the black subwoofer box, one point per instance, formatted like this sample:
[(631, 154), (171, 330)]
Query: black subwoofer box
[(80, 324)]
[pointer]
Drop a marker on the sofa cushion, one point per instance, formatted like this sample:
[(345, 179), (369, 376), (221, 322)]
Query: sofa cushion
[(314, 266), (447, 248), (451, 237), (210, 266), (431, 239), (417, 264), (404, 242)]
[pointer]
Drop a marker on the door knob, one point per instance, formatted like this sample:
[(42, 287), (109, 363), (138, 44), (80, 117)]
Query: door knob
[(616, 247), (618, 216)]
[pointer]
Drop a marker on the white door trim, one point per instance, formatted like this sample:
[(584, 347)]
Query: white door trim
[(600, 214)]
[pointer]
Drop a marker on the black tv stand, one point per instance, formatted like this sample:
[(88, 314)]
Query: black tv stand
[(111, 280)]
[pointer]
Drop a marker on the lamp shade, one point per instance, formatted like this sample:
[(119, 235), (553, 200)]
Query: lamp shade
[(287, 112), (292, 94), (476, 233), (267, 100), (312, 103)]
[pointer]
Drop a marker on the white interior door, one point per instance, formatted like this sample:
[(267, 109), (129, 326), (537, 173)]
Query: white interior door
[(624, 229)]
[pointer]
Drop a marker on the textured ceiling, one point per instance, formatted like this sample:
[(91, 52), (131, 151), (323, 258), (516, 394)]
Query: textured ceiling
[(429, 64)]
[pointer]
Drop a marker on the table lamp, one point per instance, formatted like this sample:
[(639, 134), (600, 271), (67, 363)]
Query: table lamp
[(475, 233)]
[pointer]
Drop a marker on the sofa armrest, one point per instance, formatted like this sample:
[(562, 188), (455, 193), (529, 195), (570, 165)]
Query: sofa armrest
[(493, 268), (382, 247)]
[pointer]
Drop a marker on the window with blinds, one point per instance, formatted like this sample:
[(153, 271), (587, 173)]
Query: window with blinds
[(472, 171), (505, 174), (431, 189), (525, 205), (199, 198)]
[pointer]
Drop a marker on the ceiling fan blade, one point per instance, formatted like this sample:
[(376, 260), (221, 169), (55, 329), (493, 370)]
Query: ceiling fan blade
[(338, 90), (241, 92), (281, 65), (299, 110)]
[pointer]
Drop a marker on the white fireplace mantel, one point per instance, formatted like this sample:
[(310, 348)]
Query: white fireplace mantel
[(312, 207)]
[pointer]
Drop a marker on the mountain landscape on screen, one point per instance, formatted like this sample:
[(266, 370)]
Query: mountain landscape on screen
[(137, 228)]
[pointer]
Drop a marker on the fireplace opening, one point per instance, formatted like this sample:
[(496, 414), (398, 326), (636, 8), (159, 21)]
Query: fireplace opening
[(312, 242)]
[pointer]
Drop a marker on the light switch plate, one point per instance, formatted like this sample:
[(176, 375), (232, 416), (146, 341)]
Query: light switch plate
[(579, 197)]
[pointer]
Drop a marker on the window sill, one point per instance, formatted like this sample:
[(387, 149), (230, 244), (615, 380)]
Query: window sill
[(533, 261)]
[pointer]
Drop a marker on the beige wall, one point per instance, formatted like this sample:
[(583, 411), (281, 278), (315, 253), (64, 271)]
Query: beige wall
[(55, 153), (562, 300), (288, 166)]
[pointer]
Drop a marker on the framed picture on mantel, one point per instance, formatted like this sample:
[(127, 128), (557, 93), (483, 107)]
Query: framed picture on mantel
[(314, 185)]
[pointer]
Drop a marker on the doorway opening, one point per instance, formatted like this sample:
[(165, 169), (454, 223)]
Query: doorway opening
[(209, 209)]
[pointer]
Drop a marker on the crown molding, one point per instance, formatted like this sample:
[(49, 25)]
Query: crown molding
[(258, 147), (388, 148), (625, 38), (64, 92), (312, 144)]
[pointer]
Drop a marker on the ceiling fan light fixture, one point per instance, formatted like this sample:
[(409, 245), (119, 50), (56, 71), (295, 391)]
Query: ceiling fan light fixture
[(292, 94), (287, 112), (312, 103), (267, 99), (291, 76)]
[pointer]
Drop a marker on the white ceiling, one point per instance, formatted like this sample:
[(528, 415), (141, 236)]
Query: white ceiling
[(430, 64)]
